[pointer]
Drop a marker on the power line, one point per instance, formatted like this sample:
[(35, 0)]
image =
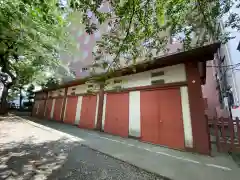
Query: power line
[(225, 65)]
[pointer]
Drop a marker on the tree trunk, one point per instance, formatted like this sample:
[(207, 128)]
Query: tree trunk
[(4, 103), (20, 98)]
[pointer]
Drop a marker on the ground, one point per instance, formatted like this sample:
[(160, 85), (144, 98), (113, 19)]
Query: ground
[(30, 152)]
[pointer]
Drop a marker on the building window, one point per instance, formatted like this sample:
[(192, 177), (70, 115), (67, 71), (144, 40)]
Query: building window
[(84, 69), (155, 82), (117, 81), (159, 73)]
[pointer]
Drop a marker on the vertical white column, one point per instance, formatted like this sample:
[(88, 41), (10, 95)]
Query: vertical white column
[(65, 108), (96, 112), (37, 107), (134, 114), (78, 111), (61, 109), (104, 110), (187, 124), (45, 108), (52, 109)]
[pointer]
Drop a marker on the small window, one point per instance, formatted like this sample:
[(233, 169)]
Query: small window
[(117, 81), (84, 69), (90, 86), (161, 81), (73, 89), (160, 73)]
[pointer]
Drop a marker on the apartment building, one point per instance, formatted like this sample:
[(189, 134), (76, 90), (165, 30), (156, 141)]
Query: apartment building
[(222, 89)]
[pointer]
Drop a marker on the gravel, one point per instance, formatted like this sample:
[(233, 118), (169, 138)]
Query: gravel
[(29, 152)]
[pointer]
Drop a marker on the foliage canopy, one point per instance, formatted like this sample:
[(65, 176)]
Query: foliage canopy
[(144, 28)]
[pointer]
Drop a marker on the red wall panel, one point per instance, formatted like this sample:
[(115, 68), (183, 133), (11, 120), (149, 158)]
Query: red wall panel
[(171, 125), (88, 112), (149, 101), (58, 109), (71, 107), (161, 118), (117, 114)]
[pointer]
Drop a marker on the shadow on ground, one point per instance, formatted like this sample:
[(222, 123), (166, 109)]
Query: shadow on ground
[(28, 160), (59, 159)]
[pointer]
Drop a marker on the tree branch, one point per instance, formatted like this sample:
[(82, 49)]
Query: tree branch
[(206, 22), (128, 31), (5, 69)]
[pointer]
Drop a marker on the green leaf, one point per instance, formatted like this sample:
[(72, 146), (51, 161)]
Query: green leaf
[(160, 12)]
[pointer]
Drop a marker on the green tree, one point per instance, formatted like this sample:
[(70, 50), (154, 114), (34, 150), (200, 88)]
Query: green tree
[(139, 28), (30, 96), (13, 94), (31, 35), (51, 82), (30, 93)]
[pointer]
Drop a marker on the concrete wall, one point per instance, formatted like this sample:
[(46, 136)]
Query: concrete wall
[(210, 92), (83, 88), (172, 74), (59, 92)]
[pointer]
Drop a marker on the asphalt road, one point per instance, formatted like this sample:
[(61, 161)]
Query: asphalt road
[(28, 152)]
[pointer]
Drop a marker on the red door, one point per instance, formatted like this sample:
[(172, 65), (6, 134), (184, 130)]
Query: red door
[(88, 112), (48, 108), (58, 109), (71, 107), (117, 114), (161, 118), (149, 108)]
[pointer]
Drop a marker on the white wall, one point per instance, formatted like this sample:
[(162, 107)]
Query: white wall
[(232, 58), (80, 89), (186, 117), (134, 114), (78, 110), (235, 59), (83, 88), (52, 108), (172, 74), (59, 92), (104, 110)]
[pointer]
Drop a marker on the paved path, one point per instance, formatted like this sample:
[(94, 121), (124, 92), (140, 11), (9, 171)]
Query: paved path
[(29, 151), (163, 161)]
